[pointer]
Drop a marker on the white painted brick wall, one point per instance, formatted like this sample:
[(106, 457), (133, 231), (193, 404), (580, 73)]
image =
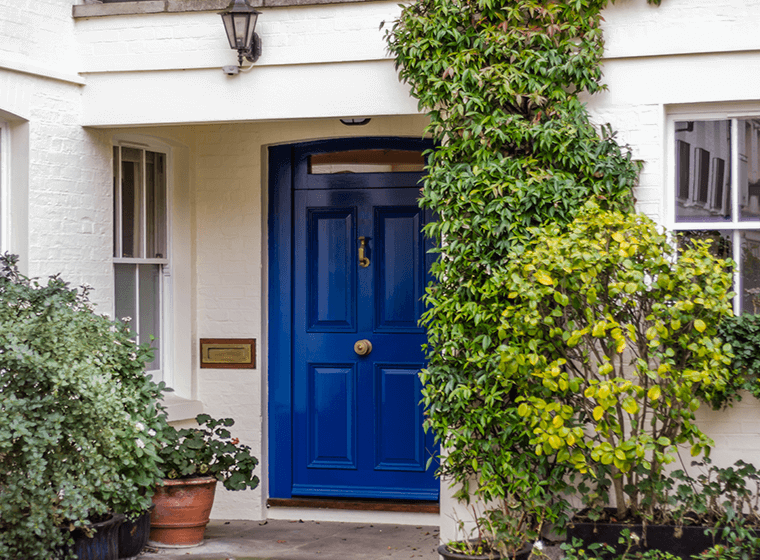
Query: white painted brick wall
[(294, 35), (38, 32), (69, 190)]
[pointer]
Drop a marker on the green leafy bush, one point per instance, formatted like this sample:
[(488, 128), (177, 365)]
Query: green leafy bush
[(209, 451), (618, 336), (743, 334), (516, 149), (77, 416)]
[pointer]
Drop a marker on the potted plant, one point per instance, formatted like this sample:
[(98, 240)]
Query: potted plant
[(618, 326), (193, 461), (68, 427)]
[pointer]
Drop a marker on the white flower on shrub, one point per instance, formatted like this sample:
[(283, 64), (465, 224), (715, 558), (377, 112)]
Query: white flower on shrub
[(151, 432), (139, 426), (140, 443)]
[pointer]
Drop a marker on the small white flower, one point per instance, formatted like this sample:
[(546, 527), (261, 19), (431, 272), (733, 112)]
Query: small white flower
[(140, 443), (126, 319), (133, 356), (151, 432), (538, 545), (139, 426)]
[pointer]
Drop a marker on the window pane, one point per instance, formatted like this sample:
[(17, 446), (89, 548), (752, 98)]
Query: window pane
[(131, 204), (150, 310), (722, 241), (367, 161), (722, 245), (750, 272), (125, 288), (155, 205), (703, 171), (749, 170)]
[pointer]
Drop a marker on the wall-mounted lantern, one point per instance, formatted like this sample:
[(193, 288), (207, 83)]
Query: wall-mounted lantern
[(240, 22)]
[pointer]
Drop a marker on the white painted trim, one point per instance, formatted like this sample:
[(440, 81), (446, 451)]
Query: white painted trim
[(125, 260), (179, 409), (5, 198), (25, 67), (353, 516)]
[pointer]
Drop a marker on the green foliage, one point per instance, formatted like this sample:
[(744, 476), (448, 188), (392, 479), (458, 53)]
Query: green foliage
[(209, 451), (516, 149), (599, 551), (618, 339), (77, 415), (743, 334)]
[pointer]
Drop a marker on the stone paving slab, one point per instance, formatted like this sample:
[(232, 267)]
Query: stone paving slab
[(313, 540), (307, 540)]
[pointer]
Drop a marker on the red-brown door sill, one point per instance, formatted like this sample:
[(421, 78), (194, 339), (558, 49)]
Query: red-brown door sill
[(356, 504)]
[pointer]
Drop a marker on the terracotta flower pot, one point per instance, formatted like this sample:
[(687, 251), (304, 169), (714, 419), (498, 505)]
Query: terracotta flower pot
[(182, 512)]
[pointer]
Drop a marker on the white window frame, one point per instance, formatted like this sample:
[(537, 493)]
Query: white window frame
[(5, 202), (734, 113), (166, 369)]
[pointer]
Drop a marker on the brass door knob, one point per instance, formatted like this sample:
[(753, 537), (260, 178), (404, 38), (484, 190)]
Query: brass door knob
[(363, 347)]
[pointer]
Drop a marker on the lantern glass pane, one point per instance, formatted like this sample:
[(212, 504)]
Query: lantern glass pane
[(229, 28), (240, 23)]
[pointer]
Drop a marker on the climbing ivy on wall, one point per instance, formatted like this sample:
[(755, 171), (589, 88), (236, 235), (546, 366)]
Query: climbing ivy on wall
[(500, 81)]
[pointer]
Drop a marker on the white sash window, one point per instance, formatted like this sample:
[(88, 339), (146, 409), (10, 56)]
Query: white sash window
[(716, 193), (141, 258)]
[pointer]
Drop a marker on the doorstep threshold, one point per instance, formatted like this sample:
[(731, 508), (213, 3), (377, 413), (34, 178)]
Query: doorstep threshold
[(356, 504)]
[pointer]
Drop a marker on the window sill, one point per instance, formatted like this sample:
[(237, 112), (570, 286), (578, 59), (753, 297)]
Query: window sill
[(179, 409), (181, 6)]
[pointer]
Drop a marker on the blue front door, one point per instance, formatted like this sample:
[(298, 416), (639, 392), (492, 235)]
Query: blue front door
[(359, 270)]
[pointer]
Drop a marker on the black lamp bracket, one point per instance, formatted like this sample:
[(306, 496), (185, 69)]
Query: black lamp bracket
[(252, 53)]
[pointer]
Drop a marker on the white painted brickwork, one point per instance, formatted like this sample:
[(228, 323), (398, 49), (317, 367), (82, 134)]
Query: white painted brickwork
[(295, 35), (38, 33), (69, 185)]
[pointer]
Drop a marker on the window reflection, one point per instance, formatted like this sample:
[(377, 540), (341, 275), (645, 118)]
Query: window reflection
[(703, 176)]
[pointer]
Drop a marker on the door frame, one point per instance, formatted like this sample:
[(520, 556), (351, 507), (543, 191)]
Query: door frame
[(280, 291)]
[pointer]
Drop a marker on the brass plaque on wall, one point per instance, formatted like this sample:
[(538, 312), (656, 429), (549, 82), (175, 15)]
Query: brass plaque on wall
[(230, 353)]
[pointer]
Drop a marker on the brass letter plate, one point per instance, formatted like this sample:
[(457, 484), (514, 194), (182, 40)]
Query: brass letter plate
[(232, 353)]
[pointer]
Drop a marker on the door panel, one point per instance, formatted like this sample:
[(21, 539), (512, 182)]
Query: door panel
[(357, 420), (397, 390), (400, 270), (331, 417), (332, 285)]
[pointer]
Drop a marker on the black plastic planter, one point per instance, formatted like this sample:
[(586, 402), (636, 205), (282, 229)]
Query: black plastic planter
[(133, 535), (103, 545), (680, 541)]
